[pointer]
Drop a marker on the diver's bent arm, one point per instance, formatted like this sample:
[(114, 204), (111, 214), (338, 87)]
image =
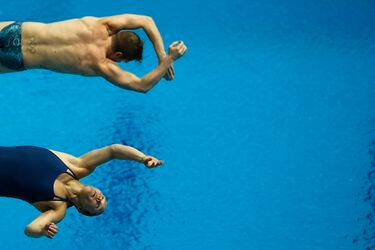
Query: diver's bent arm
[(37, 227), (126, 80), (131, 21)]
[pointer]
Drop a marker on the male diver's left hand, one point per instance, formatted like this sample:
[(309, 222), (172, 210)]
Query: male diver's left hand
[(169, 75), (152, 162)]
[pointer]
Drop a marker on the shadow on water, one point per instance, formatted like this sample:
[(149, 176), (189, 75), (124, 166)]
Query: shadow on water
[(366, 238), (125, 184)]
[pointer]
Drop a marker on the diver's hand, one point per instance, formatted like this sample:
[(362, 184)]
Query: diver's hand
[(177, 49), (151, 162), (169, 75), (50, 230)]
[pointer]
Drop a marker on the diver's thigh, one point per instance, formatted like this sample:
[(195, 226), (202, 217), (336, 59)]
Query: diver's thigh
[(3, 24)]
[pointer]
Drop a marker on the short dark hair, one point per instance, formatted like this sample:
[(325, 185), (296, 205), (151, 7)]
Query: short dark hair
[(130, 45)]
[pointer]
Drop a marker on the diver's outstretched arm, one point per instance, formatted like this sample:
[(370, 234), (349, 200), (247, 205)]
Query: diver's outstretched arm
[(44, 224), (89, 161)]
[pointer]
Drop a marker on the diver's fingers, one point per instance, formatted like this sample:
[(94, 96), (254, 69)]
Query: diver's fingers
[(171, 70), (50, 226), (184, 51), (148, 158), (50, 234), (153, 163), (53, 230), (180, 46), (169, 73), (168, 76), (175, 43)]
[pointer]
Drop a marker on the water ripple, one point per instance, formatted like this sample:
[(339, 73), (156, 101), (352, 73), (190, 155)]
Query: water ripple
[(130, 198)]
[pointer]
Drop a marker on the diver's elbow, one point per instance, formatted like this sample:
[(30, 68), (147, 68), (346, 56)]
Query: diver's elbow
[(143, 90)]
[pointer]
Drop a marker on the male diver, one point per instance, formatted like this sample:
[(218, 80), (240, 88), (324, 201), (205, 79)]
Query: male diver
[(88, 46), (50, 181)]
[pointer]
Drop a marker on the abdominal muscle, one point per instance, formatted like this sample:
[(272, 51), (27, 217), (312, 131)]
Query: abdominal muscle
[(73, 46)]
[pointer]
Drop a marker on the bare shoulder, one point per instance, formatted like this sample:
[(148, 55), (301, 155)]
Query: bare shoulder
[(3, 24), (69, 160), (98, 28), (92, 21), (105, 65), (74, 163), (89, 19)]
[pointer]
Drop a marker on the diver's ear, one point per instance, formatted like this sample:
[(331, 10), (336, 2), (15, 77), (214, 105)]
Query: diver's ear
[(118, 56)]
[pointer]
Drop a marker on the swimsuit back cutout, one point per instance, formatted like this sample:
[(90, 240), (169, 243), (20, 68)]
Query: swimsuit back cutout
[(29, 173)]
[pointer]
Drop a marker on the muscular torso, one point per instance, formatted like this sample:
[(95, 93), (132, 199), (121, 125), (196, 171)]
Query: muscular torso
[(74, 46)]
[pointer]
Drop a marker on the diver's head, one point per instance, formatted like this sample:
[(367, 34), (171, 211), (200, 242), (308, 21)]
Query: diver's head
[(91, 201), (127, 46)]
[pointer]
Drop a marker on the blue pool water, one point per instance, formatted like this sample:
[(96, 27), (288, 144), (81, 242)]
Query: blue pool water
[(266, 130)]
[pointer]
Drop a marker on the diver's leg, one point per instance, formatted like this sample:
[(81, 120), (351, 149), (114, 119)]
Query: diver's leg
[(3, 24)]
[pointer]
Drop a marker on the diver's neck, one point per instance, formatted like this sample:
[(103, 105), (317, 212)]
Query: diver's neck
[(73, 188), (111, 45)]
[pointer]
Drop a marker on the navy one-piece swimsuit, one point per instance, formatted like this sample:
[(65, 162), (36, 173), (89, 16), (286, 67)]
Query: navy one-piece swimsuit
[(28, 173)]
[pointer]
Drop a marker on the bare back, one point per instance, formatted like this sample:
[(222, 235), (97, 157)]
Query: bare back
[(73, 46)]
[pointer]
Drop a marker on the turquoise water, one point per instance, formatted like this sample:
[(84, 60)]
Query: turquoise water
[(265, 130)]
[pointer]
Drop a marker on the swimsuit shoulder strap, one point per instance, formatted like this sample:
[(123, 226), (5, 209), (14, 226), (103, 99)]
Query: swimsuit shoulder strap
[(71, 173), (59, 198)]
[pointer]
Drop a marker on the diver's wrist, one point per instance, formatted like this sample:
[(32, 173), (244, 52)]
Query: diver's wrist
[(168, 59), (161, 56), (142, 158)]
